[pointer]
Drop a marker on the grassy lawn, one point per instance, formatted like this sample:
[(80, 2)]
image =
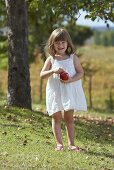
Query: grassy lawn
[(27, 142)]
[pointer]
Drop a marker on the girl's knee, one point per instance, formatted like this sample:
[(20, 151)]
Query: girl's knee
[(57, 117), (69, 121)]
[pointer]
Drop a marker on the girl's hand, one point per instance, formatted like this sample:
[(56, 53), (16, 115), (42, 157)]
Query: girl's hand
[(57, 70), (67, 81)]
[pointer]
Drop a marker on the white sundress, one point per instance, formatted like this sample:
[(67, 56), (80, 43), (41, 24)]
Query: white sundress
[(64, 96)]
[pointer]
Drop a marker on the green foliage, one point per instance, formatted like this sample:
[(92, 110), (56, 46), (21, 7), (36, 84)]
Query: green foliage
[(3, 52), (79, 33), (97, 37), (3, 17), (111, 38), (3, 62), (103, 9), (105, 38), (3, 38), (46, 15), (41, 24)]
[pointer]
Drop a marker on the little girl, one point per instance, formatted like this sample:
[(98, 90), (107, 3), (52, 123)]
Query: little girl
[(64, 96)]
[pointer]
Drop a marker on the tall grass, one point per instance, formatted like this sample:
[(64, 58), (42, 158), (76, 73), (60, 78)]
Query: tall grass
[(102, 81)]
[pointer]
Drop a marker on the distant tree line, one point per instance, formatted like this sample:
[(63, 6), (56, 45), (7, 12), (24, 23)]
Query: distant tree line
[(79, 33), (105, 38)]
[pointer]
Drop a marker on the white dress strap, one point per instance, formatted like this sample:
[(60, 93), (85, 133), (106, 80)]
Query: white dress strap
[(72, 56)]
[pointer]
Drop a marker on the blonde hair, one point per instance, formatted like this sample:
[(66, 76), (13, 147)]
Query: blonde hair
[(60, 34)]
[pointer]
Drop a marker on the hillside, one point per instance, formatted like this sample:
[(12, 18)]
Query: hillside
[(27, 142), (102, 28)]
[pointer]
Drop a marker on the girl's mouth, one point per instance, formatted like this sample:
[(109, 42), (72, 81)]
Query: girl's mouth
[(60, 48)]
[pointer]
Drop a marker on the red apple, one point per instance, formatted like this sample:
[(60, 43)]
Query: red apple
[(64, 75)]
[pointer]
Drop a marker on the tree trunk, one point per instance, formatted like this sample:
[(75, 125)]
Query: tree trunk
[(19, 91)]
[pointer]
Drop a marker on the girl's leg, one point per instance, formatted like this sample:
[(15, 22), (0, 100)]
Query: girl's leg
[(68, 117), (56, 127)]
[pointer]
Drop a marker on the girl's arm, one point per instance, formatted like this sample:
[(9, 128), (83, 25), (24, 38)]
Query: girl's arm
[(79, 70), (47, 70)]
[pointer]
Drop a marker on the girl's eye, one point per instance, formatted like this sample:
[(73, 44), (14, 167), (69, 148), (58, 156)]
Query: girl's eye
[(60, 42)]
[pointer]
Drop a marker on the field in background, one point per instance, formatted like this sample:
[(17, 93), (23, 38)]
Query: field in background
[(102, 81)]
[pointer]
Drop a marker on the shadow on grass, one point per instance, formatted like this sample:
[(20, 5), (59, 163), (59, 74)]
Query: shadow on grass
[(10, 125), (85, 130), (18, 117), (100, 133), (101, 110), (16, 111), (107, 155)]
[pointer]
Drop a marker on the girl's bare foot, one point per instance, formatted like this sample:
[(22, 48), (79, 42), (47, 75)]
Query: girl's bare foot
[(59, 147), (74, 148)]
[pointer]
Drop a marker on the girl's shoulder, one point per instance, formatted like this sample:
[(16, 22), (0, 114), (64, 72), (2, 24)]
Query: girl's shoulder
[(48, 61), (75, 58), (51, 59), (73, 55)]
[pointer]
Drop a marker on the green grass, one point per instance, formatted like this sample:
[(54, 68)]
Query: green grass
[(27, 143)]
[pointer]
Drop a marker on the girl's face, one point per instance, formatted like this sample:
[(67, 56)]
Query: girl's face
[(60, 47)]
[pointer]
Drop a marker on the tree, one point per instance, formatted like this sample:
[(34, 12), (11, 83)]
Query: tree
[(3, 52), (60, 13), (94, 8), (18, 72), (79, 33), (105, 38), (105, 41), (3, 37), (111, 38), (97, 37)]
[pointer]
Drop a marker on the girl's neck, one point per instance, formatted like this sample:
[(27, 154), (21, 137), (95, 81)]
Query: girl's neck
[(61, 56)]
